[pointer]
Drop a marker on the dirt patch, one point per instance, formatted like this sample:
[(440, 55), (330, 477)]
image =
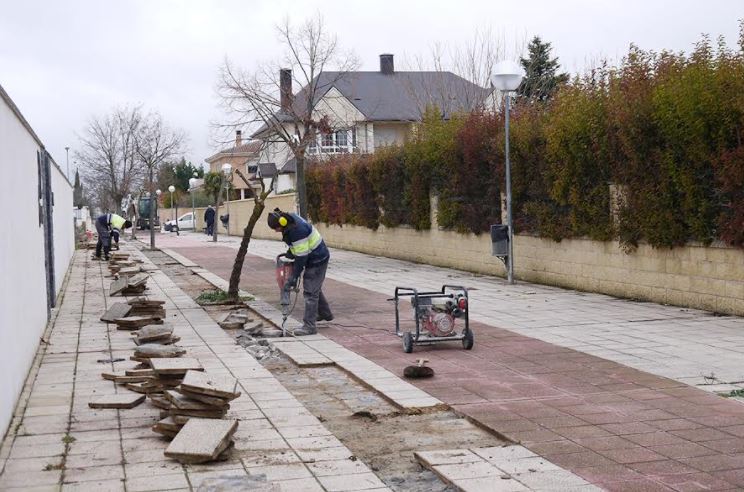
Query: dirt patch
[(369, 426), (183, 277), (374, 430)]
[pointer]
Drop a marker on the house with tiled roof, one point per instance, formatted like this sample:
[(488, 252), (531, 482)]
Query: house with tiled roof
[(367, 109), (243, 156)]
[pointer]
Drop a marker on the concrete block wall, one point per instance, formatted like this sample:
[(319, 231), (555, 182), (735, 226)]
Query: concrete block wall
[(696, 276), (240, 213)]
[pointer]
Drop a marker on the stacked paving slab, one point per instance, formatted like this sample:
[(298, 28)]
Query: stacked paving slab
[(192, 403)]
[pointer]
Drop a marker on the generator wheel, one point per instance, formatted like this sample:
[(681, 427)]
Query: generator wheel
[(407, 342), (468, 340)]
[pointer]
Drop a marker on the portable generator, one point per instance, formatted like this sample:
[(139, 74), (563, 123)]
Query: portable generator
[(434, 315)]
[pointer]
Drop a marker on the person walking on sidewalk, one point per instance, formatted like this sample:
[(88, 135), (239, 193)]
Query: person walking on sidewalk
[(105, 225), (310, 255), (209, 220)]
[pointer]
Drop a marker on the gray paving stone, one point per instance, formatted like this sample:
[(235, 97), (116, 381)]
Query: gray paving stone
[(211, 384), (117, 310), (117, 286), (201, 440), (122, 400)]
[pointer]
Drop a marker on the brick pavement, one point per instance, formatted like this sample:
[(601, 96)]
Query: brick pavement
[(619, 427)]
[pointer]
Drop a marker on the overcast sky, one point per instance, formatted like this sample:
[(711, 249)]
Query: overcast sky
[(64, 60)]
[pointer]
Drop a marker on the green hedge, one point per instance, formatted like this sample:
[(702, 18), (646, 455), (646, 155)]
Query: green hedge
[(665, 128)]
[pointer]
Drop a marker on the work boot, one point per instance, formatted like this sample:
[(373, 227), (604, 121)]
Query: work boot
[(325, 318), (304, 331)]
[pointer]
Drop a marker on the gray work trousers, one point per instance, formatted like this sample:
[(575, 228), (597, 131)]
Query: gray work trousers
[(104, 239), (315, 301)]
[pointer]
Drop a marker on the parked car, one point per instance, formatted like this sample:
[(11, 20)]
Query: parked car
[(186, 221)]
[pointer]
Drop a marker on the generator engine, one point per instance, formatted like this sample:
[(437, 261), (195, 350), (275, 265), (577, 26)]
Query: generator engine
[(437, 315)]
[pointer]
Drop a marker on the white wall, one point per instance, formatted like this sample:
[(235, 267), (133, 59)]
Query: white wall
[(391, 133), (64, 226), (23, 297)]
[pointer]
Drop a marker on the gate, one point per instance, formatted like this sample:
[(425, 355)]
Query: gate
[(46, 219)]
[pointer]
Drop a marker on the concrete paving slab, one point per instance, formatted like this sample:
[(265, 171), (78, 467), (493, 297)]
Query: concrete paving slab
[(117, 310), (211, 384), (175, 365), (117, 286), (201, 440), (122, 400)]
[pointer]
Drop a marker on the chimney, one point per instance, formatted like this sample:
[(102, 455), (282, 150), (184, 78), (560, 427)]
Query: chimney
[(238, 138), (285, 88), (386, 64)]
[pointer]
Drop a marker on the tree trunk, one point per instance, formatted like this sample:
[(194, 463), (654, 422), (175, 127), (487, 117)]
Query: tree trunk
[(237, 269), (133, 218), (301, 190)]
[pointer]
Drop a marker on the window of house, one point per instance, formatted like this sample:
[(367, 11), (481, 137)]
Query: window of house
[(338, 142)]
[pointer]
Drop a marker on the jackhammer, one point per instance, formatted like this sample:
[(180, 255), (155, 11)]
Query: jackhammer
[(284, 269)]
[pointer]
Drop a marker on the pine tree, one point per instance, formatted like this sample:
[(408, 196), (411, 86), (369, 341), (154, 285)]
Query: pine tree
[(541, 78), (77, 192)]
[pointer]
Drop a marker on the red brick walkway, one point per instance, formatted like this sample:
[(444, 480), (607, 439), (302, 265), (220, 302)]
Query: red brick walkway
[(617, 427)]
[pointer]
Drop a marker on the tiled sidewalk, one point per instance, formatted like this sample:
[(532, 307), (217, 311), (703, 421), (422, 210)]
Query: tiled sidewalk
[(616, 426), (57, 442)]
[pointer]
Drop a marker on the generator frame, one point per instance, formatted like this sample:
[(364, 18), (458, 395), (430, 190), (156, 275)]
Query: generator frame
[(421, 337)]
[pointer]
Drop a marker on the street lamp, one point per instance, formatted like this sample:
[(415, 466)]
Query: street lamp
[(152, 222), (192, 187), (227, 172), (172, 188), (67, 152), (506, 78)]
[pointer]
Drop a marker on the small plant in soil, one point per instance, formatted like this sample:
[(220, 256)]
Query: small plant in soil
[(218, 297)]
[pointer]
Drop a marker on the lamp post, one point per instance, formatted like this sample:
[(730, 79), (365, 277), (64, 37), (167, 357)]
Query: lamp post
[(67, 152), (192, 186), (227, 172), (506, 78), (153, 204)]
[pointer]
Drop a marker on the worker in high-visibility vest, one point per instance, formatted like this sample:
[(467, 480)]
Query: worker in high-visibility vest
[(105, 225), (311, 257)]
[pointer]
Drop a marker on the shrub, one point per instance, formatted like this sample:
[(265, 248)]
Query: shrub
[(665, 128)]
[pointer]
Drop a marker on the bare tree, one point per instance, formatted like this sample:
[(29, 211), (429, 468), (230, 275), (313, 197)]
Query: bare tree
[(473, 61), (259, 203), (155, 143), (109, 167), (263, 100)]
